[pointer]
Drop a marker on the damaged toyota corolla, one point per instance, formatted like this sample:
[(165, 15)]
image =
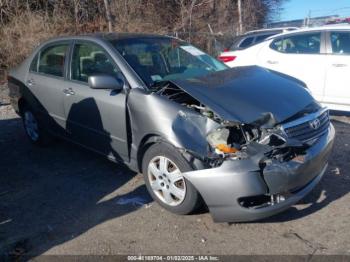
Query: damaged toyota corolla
[(246, 142)]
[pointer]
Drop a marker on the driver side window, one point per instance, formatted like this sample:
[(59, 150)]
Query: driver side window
[(90, 59)]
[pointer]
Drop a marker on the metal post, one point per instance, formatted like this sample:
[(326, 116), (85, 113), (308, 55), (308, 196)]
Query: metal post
[(240, 25)]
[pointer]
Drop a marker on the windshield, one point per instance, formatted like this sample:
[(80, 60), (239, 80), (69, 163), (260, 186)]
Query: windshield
[(157, 60)]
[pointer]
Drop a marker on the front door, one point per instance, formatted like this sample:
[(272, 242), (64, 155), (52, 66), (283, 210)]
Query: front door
[(95, 118), (337, 92)]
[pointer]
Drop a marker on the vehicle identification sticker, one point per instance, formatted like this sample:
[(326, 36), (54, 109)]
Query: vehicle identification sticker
[(192, 50)]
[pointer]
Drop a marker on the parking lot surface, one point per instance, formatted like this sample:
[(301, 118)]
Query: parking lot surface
[(65, 200)]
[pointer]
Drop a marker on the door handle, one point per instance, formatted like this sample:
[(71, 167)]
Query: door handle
[(339, 65), (68, 91), (272, 62), (30, 82)]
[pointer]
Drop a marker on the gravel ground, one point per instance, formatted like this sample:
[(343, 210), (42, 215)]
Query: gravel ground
[(65, 200)]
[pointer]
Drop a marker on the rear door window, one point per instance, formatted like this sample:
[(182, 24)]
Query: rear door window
[(340, 42), (298, 44), (52, 58)]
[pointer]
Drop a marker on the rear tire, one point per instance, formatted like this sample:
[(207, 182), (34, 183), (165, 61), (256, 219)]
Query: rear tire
[(34, 128), (162, 167)]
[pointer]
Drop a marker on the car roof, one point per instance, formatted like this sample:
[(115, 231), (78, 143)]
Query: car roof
[(269, 30), (108, 36), (259, 33), (256, 33), (238, 38), (324, 28), (312, 29)]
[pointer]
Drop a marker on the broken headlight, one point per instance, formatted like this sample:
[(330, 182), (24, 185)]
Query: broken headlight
[(225, 139)]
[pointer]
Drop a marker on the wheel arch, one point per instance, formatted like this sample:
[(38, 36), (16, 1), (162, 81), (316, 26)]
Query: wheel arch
[(151, 139), (22, 103), (147, 141)]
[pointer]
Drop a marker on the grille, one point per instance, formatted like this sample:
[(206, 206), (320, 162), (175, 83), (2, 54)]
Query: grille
[(309, 129)]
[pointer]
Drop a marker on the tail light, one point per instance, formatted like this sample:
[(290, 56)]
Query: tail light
[(226, 58)]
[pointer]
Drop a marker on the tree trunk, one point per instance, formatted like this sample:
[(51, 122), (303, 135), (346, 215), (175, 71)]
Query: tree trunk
[(76, 14), (240, 25), (108, 15)]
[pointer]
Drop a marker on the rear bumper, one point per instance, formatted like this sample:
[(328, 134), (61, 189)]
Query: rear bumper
[(224, 186)]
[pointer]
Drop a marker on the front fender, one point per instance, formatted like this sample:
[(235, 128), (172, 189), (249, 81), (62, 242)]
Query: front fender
[(184, 128)]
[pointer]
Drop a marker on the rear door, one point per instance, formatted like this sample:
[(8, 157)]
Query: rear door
[(337, 91), (46, 79), (299, 55), (95, 118)]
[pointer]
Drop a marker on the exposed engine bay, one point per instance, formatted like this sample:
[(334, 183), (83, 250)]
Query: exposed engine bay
[(271, 149), (251, 157), (232, 139)]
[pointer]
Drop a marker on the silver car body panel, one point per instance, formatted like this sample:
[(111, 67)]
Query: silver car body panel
[(244, 94), (120, 124), (174, 123), (222, 187)]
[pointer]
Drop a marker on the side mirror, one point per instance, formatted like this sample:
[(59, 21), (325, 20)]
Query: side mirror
[(105, 82)]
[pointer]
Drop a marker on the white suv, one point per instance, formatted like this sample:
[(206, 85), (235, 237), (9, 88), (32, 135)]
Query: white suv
[(320, 57)]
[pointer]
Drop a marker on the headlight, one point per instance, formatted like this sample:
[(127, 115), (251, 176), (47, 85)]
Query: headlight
[(222, 140)]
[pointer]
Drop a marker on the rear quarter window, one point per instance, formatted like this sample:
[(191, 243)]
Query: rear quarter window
[(261, 38), (246, 42)]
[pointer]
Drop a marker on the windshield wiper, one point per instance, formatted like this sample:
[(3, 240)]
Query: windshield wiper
[(158, 84)]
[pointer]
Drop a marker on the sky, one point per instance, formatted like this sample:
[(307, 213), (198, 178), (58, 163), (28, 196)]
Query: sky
[(298, 9)]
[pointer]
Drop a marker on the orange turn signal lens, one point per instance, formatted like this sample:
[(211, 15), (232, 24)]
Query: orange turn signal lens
[(226, 149)]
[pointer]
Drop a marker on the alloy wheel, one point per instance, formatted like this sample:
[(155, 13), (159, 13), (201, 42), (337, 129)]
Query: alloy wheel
[(166, 181)]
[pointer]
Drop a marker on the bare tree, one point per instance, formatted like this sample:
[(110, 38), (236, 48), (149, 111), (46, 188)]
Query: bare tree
[(108, 15), (240, 24), (76, 4), (24, 23)]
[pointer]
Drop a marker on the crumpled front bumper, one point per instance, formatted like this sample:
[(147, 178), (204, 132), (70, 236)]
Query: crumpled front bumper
[(222, 187)]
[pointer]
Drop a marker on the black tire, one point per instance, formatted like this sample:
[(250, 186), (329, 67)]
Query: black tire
[(42, 137), (192, 200)]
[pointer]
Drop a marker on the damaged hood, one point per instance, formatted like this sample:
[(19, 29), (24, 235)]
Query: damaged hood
[(247, 94)]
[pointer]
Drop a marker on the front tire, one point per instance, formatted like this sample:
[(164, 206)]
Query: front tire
[(162, 167)]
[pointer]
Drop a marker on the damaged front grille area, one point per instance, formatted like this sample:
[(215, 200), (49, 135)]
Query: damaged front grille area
[(308, 127)]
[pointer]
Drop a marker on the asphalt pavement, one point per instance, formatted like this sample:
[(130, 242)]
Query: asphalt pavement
[(63, 199)]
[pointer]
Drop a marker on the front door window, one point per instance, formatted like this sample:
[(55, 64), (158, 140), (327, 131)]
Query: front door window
[(90, 59)]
